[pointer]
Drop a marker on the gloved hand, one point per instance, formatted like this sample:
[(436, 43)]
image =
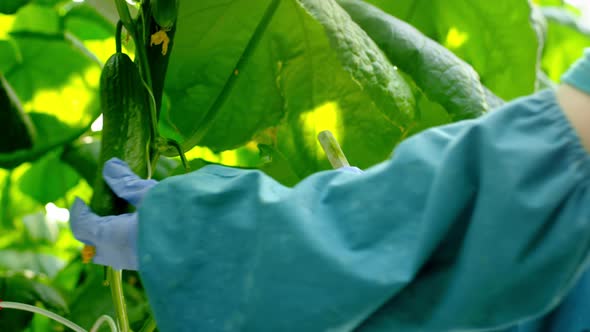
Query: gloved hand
[(114, 237)]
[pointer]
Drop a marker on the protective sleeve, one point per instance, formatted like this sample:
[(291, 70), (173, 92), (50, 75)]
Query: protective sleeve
[(579, 73), (477, 224)]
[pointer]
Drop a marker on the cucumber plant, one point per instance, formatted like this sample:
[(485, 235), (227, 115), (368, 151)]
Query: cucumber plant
[(130, 117), (130, 108)]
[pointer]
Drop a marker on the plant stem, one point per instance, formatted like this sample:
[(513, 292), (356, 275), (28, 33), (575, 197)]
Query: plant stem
[(332, 149), (118, 36), (124, 15), (115, 278)]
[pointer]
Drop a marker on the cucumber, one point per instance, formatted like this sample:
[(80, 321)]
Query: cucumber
[(15, 125), (164, 12), (126, 127)]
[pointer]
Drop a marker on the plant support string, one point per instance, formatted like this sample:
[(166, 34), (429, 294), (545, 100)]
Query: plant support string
[(58, 318)]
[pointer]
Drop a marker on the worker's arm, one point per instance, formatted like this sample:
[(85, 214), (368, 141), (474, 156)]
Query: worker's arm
[(476, 224), (574, 97)]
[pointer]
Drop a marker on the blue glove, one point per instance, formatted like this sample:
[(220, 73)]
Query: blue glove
[(114, 237)]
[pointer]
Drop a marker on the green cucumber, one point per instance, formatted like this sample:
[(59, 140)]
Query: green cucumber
[(126, 127), (15, 125), (164, 12)]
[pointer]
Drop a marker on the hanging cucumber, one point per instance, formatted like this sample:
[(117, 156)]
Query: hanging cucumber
[(126, 127), (15, 125)]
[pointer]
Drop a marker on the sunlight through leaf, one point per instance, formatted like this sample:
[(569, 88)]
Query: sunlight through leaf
[(323, 117), (456, 38)]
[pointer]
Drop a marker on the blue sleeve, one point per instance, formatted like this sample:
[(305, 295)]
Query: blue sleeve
[(578, 75), (477, 224)]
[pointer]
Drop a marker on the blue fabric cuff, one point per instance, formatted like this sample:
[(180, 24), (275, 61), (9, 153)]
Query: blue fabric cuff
[(579, 73)]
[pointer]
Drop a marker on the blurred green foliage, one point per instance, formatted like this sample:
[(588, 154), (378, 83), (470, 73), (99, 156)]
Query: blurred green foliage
[(273, 73)]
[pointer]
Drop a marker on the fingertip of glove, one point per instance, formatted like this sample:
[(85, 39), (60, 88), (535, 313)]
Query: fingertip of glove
[(78, 208), (116, 161), (79, 215), (115, 169)]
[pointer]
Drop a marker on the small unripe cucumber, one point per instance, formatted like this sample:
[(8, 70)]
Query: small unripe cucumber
[(164, 12), (126, 127)]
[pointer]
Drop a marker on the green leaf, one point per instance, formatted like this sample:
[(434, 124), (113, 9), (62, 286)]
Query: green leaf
[(501, 43), (8, 55), (496, 37), (93, 30), (17, 288), (442, 76), (277, 166), (57, 85), (17, 260), (50, 297), (37, 19), (87, 24), (363, 59), (292, 82), (11, 6), (48, 180), (92, 299), (40, 229), (6, 221), (415, 12), (15, 124), (83, 157), (210, 41), (565, 41)]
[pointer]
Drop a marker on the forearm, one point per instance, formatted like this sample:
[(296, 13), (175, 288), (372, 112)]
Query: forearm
[(574, 97), (575, 104)]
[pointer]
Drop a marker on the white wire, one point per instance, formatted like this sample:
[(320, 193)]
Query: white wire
[(49, 314), (26, 307), (104, 318)]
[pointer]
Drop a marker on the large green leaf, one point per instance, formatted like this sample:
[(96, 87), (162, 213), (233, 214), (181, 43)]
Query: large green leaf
[(48, 179), (500, 42), (565, 41), (15, 124), (278, 69), (11, 6), (210, 41), (53, 77), (95, 32), (20, 289), (37, 19), (29, 260), (445, 78), (496, 37), (418, 13), (362, 58)]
